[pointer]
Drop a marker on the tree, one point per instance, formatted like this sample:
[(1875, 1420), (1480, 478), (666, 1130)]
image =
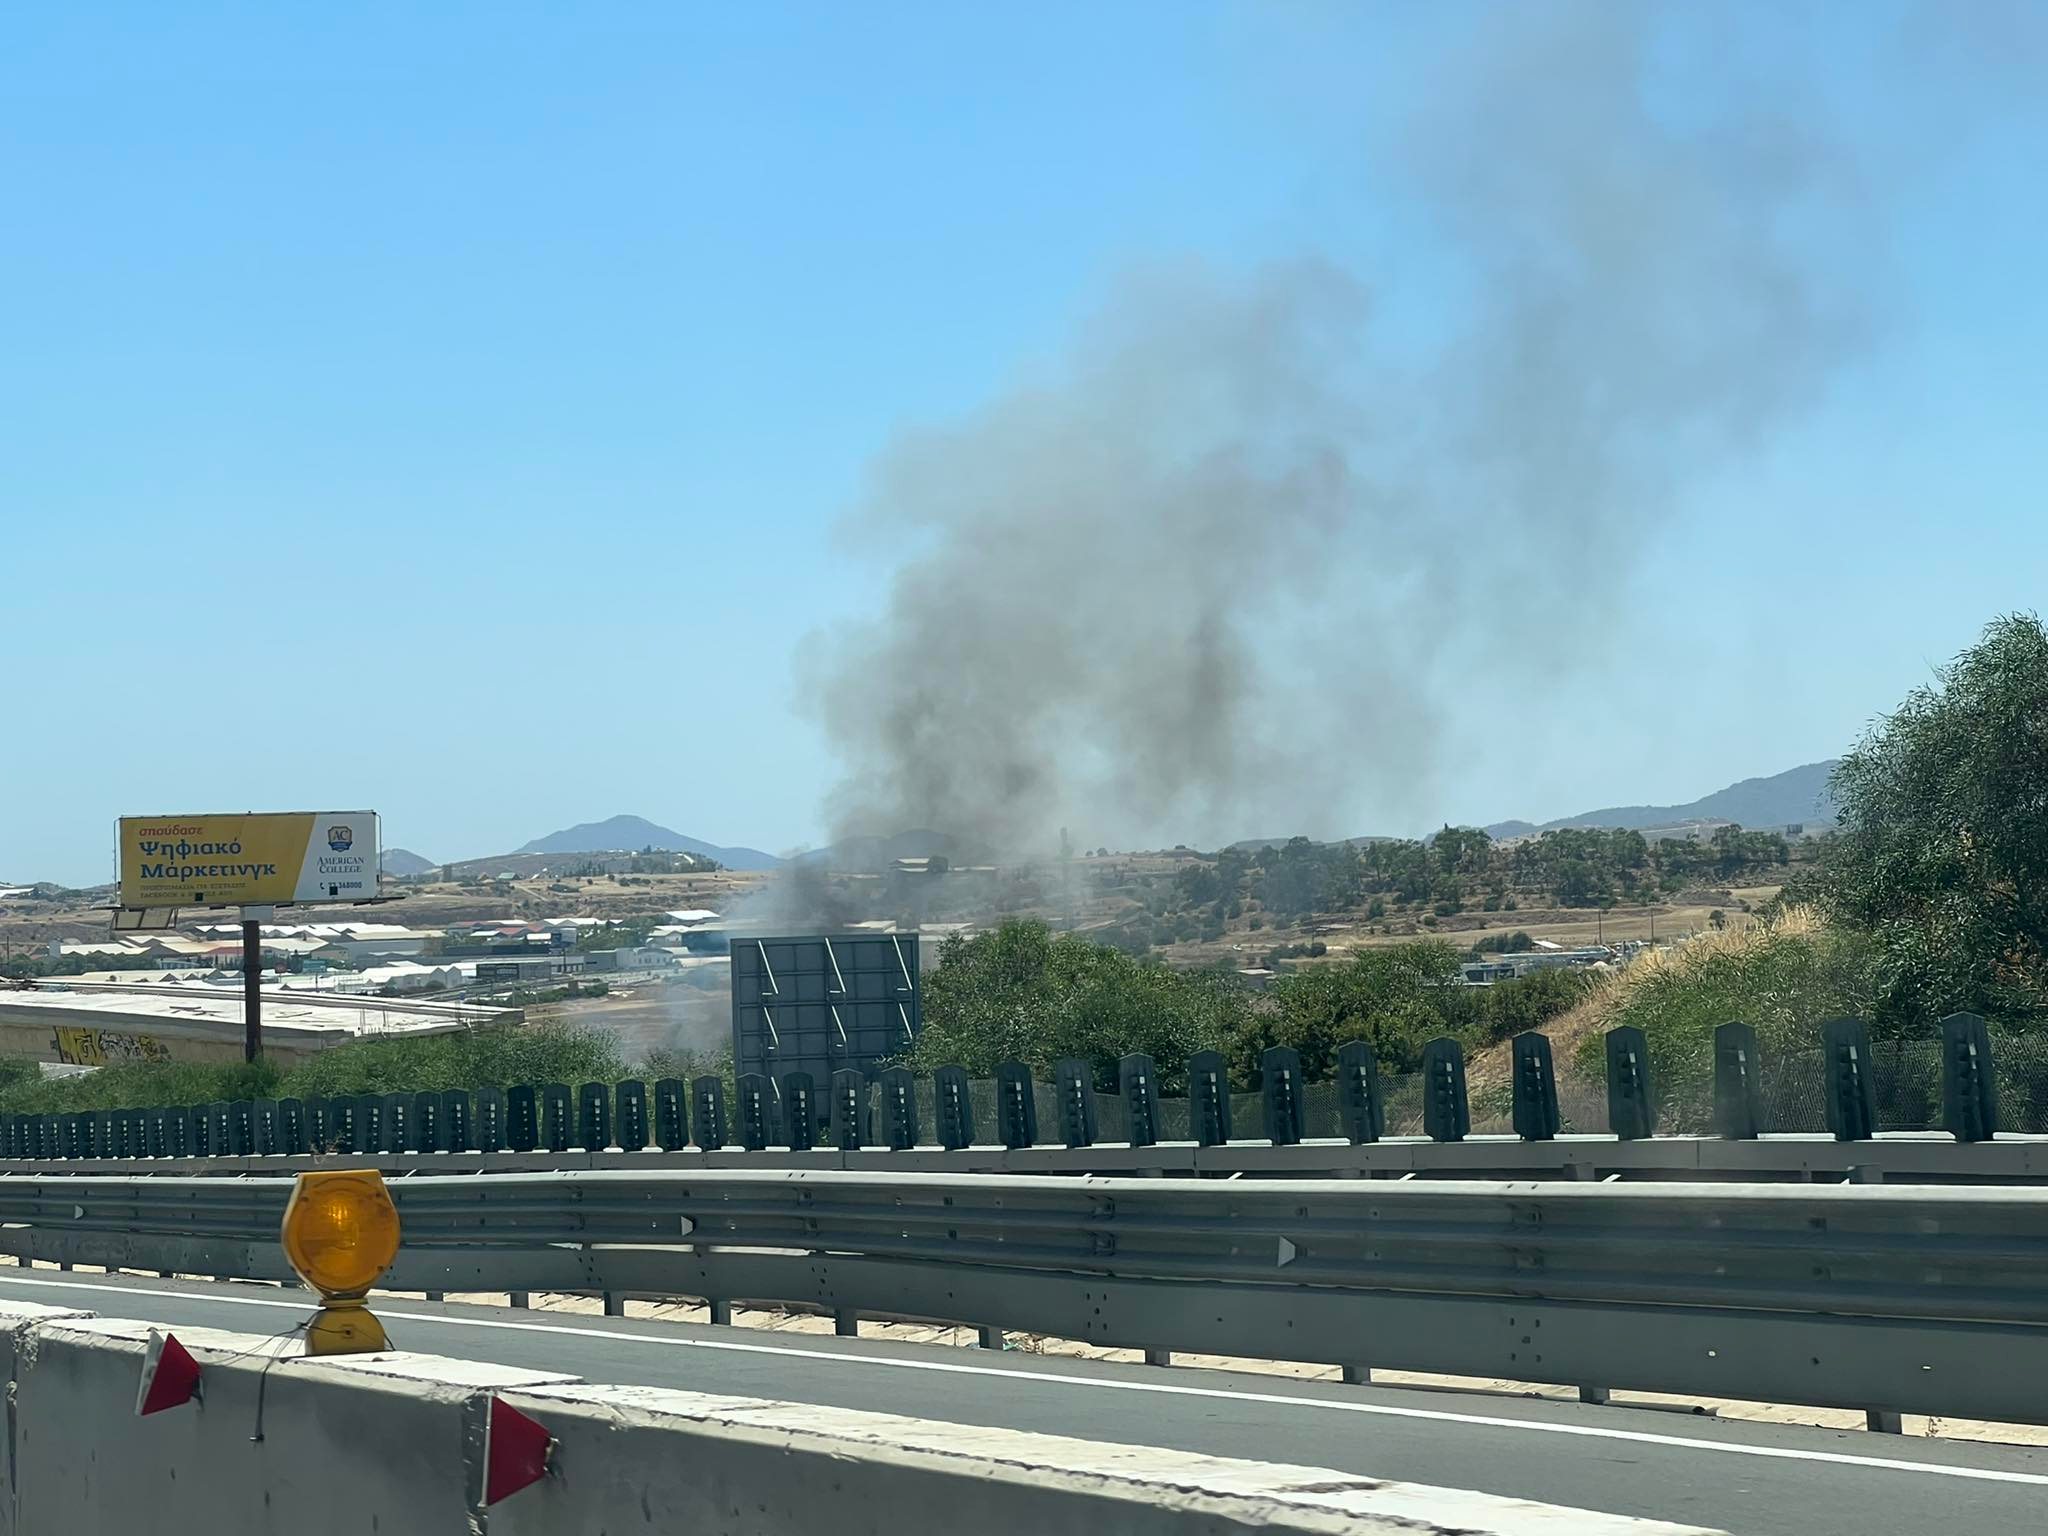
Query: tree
[(1022, 993), (1398, 996), (1942, 854)]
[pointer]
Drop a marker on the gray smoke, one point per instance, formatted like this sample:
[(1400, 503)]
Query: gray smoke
[(1206, 578)]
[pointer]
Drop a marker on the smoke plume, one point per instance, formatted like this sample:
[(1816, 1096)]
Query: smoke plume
[(1206, 577)]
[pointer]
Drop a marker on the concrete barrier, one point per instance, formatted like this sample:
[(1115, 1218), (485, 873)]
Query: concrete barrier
[(394, 1444)]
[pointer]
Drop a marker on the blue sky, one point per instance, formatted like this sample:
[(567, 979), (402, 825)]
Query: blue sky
[(411, 372)]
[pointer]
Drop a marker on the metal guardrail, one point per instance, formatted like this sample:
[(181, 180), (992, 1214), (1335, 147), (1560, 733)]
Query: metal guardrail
[(1890, 1299), (1913, 1158)]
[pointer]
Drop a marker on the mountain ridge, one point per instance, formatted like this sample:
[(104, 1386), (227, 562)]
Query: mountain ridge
[(622, 831)]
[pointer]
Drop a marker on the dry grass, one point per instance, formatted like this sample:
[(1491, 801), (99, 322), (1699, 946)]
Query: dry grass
[(1608, 1002)]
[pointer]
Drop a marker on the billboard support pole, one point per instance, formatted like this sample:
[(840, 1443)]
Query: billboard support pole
[(252, 980)]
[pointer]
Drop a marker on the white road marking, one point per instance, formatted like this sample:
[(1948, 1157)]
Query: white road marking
[(1171, 1389)]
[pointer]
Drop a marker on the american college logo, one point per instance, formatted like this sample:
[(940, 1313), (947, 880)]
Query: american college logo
[(339, 838)]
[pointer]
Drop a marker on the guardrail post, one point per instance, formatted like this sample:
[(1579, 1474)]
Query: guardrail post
[(1446, 1114), (427, 1127), (849, 1110), (1016, 1106), (707, 1118), (754, 1113), (632, 1128), (799, 1111), (522, 1117), (1851, 1095), (991, 1338), (1074, 1087), (671, 1114), (1738, 1083), (493, 1122), (953, 1108), (398, 1126), (1361, 1113), (1138, 1077), (898, 1087), (457, 1120), (1209, 1098), (1631, 1112), (263, 1134), (557, 1117), (1535, 1085), (594, 1117), (1969, 1090), (1280, 1091), (717, 1308)]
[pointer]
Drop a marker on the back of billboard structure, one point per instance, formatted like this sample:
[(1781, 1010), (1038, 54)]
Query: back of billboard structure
[(822, 1003)]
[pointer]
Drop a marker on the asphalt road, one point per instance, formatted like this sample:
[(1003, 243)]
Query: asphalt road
[(1747, 1478)]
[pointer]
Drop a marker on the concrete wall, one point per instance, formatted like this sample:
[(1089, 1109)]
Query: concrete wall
[(394, 1444)]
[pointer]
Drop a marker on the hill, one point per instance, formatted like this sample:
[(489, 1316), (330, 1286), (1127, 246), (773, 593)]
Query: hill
[(1796, 795), (632, 832), (403, 863)]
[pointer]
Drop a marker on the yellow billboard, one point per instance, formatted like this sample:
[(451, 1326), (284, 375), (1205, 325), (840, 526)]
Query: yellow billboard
[(248, 860)]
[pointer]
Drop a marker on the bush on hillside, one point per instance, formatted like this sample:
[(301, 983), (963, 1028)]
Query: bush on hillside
[(497, 1056)]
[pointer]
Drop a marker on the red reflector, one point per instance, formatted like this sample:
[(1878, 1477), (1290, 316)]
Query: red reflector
[(170, 1376), (516, 1451)]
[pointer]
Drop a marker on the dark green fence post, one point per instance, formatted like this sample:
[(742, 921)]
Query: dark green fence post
[(458, 1120), (557, 1117), (522, 1117), (1446, 1114), (707, 1113), (370, 1127), (426, 1121), (849, 1110), (1361, 1111), (754, 1112), (1631, 1108), (291, 1127), (898, 1089), (1073, 1086), (1280, 1091), (799, 1111), (1535, 1086), (319, 1124), (1209, 1098), (1851, 1095), (1969, 1091), (671, 1114), (632, 1100), (100, 1133), (399, 1132), (1738, 1083), (263, 1139), (953, 1108), (1016, 1106), (594, 1117), (1137, 1076), (493, 1123)]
